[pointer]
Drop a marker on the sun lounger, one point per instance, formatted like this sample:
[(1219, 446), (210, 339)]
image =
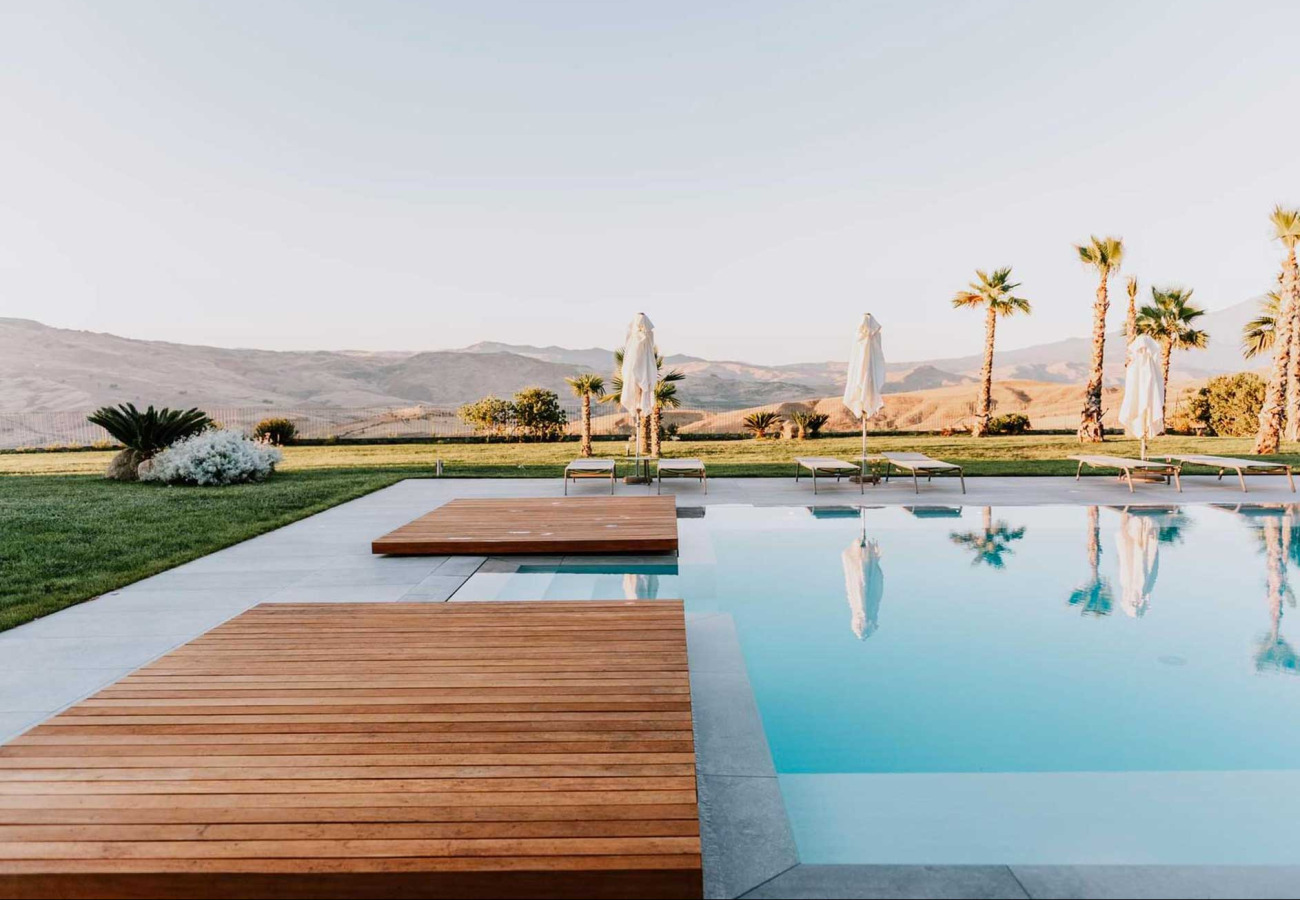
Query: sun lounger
[(682, 468), (1242, 467), (1127, 466), (826, 465), (589, 468), (919, 464)]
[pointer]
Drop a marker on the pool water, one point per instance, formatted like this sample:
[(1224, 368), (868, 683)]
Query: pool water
[(1019, 684)]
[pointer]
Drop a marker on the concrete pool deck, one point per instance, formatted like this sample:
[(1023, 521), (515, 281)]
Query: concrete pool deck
[(55, 661)]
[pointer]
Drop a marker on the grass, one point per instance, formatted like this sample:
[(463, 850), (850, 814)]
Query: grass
[(67, 535), (1022, 455), (67, 538)]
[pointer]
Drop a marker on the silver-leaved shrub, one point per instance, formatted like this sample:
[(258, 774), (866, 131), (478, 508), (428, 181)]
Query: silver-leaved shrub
[(214, 457)]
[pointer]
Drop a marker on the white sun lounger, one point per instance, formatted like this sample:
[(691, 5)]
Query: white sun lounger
[(919, 464), (1242, 467), (826, 465), (589, 468), (1127, 467), (682, 468)]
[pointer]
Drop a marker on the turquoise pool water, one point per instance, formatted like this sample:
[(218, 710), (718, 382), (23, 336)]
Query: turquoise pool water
[(947, 685)]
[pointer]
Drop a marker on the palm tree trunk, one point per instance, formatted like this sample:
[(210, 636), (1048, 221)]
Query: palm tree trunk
[(983, 408), (1166, 353), (642, 436), (1293, 388), (1270, 416), (1130, 324), (1090, 428), (656, 418), (586, 425)]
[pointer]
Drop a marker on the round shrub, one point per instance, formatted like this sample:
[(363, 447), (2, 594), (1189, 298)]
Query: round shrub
[(1011, 423), (279, 432), (212, 458)]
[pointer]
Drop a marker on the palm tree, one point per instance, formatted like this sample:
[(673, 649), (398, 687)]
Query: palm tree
[(1130, 321), (665, 398), (990, 545), (1095, 596), (586, 386), (1104, 255), (649, 436), (993, 293), (1286, 228), (1168, 319)]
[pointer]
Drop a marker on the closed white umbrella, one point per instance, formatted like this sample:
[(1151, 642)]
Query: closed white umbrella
[(1143, 411), (864, 586), (1138, 542), (640, 374), (865, 385)]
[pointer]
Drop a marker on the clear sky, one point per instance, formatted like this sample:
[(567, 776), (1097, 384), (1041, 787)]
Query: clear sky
[(753, 175)]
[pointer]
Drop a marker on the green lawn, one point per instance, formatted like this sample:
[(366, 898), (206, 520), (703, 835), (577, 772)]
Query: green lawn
[(66, 538), (67, 535), (1027, 455)]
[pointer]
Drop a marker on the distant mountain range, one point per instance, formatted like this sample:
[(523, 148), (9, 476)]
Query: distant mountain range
[(46, 369)]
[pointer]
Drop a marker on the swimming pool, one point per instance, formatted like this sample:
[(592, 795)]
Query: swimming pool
[(1011, 685)]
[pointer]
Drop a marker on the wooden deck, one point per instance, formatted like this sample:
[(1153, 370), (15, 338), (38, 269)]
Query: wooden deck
[(539, 749), (539, 525)]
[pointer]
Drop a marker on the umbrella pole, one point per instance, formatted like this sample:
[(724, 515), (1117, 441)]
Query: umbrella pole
[(1144, 447)]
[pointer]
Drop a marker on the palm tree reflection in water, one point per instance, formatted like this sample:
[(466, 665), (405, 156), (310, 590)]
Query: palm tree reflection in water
[(1094, 597), (1281, 542), (989, 545)]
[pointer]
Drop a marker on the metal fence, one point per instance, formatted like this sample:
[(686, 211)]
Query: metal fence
[(902, 412)]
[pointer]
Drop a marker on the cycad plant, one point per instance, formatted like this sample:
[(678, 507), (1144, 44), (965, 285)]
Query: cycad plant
[(1286, 228), (586, 386), (808, 423), (145, 433), (993, 293), (762, 422), (1105, 255), (1168, 319)]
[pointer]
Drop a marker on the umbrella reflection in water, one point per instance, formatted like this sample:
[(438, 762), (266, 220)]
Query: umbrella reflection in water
[(864, 584)]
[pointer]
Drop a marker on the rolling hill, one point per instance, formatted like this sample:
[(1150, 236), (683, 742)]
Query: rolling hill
[(53, 369)]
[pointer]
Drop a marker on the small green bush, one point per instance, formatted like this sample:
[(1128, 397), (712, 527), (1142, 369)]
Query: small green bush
[(1009, 423), (538, 414), (277, 432)]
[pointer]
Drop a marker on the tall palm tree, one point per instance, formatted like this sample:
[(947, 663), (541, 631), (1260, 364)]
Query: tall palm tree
[(1130, 321), (1286, 228), (991, 544), (1168, 319), (993, 293), (1105, 255), (665, 398), (586, 386)]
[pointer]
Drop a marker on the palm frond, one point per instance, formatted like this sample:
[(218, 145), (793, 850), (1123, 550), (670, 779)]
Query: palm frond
[(1286, 225)]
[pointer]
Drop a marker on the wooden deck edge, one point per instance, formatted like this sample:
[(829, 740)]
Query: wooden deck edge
[(616, 884)]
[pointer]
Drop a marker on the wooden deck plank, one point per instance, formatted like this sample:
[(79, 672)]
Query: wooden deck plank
[(509, 750), (539, 525)]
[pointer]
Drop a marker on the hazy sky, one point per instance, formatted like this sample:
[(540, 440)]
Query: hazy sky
[(753, 175)]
